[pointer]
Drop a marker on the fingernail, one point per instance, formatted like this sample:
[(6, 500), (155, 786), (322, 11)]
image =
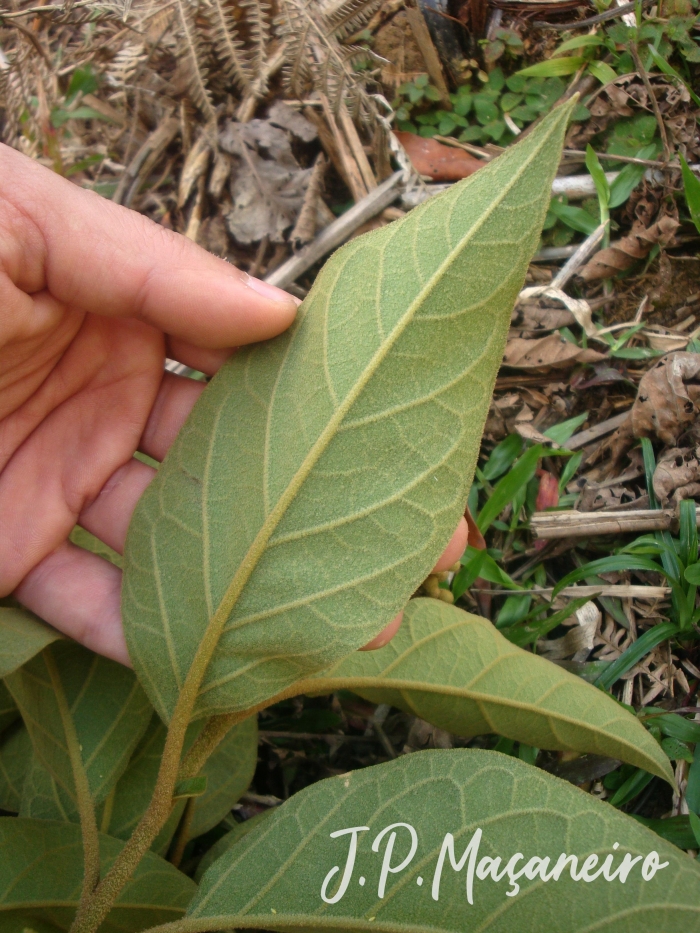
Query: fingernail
[(270, 291)]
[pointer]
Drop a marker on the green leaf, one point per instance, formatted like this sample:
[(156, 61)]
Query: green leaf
[(599, 179), (109, 708), (274, 877), (630, 176), (43, 798), (560, 433), (84, 539), (321, 474), (668, 69), (228, 841), (578, 42), (8, 708), (41, 867), (229, 772), (675, 829), (554, 67), (22, 635), (691, 186), (191, 787), (502, 456), (602, 72), (458, 672), (635, 652), (611, 564), (574, 217), (15, 758)]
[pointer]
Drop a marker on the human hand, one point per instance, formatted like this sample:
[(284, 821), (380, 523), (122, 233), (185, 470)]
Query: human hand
[(92, 297)]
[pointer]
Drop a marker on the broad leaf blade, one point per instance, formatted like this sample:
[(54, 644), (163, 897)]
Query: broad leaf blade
[(273, 878), (15, 760), (109, 708), (22, 636), (43, 798), (321, 474), (41, 874), (8, 708), (458, 672), (228, 771)]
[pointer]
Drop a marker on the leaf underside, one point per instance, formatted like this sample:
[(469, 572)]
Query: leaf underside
[(458, 672), (109, 708), (321, 474), (41, 865), (271, 879)]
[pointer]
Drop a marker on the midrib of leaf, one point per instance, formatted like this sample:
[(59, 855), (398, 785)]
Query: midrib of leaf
[(256, 550)]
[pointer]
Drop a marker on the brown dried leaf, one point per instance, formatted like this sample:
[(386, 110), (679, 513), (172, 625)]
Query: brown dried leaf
[(439, 162), (623, 253), (550, 352), (666, 403), (676, 469)]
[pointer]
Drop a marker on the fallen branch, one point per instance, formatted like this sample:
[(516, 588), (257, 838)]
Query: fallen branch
[(575, 524)]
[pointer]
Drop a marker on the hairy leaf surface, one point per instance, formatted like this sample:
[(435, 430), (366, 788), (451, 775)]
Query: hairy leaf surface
[(228, 770), (321, 474), (8, 708), (457, 671), (108, 706), (272, 879), (22, 636), (41, 871), (43, 798), (15, 759)]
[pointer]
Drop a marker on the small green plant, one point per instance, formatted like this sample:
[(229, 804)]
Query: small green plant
[(495, 112)]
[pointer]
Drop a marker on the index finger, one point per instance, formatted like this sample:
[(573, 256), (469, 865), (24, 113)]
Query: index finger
[(96, 256)]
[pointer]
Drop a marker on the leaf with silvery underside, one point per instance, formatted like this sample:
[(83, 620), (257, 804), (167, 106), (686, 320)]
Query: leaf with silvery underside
[(228, 771), (458, 672), (8, 708), (22, 636), (109, 709), (227, 842), (15, 759), (41, 873), (321, 474), (273, 878), (43, 798)]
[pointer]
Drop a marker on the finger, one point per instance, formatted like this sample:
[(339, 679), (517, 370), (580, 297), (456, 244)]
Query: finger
[(109, 515), (386, 634), (96, 256), (78, 593), (455, 549), (206, 361), (174, 402)]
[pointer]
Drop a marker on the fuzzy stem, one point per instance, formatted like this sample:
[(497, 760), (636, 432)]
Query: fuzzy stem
[(86, 807), (208, 740), (182, 836)]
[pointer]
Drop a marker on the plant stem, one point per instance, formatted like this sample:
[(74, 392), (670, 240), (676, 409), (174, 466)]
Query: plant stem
[(86, 808), (208, 740), (183, 833), (634, 52)]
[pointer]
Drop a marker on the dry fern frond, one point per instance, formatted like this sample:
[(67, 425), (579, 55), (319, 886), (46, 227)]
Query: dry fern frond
[(122, 70), (316, 59), (228, 44), (197, 72)]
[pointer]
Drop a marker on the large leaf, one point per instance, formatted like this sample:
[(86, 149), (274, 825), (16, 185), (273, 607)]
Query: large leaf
[(109, 709), (228, 771), (228, 841), (15, 760), (43, 798), (321, 474), (457, 671), (8, 708), (22, 636), (273, 878), (41, 871)]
